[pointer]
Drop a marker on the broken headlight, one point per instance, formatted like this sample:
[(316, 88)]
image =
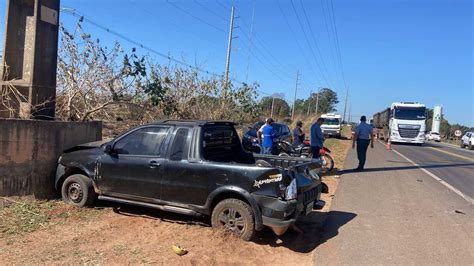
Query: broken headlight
[(291, 190)]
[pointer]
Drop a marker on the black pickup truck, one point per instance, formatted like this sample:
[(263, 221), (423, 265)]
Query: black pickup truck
[(193, 168)]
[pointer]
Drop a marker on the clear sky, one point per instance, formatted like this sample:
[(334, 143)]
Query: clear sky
[(391, 50)]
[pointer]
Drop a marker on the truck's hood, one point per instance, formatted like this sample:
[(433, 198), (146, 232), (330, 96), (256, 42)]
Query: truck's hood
[(85, 146)]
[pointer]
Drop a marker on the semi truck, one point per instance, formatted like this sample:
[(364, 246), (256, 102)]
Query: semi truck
[(402, 122)]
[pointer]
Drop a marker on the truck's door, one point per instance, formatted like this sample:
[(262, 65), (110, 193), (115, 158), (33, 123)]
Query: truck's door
[(183, 181), (134, 167)]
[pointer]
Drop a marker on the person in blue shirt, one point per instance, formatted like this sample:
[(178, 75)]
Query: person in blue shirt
[(363, 136), (266, 134), (317, 137)]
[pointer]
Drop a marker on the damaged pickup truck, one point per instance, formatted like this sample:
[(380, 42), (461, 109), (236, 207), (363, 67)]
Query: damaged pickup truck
[(192, 168)]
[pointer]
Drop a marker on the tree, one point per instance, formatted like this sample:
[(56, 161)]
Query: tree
[(107, 84), (281, 108), (327, 101), (92, 78)]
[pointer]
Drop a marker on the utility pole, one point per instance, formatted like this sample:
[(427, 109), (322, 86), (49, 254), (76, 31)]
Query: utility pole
[(345, 106), (317, 100), (229, 47), (273, 103), (309, 102), (350, 115), (294, 99), (250, 43)]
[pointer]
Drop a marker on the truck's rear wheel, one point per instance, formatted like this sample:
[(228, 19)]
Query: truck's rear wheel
[(236, 216), (77, 190)]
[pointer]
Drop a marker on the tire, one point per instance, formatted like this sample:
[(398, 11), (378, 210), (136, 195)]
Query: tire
[(77, 190), (470, 146), (228, 212), (328, 163), (462, 145)]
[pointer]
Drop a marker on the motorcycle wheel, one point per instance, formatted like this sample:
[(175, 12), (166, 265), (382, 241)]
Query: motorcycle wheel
[(327, 163)]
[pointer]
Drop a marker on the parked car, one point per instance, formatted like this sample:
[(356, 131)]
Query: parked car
[(468, 140), (192, 168), (250, 141), (433, 136)]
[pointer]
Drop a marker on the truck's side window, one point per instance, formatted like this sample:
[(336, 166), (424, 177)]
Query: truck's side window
[(179, 144), (145, 141)]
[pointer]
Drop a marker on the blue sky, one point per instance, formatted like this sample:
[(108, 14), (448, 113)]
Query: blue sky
[(391, 50)]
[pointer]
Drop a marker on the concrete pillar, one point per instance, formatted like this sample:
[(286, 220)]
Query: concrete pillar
[(30, 56)]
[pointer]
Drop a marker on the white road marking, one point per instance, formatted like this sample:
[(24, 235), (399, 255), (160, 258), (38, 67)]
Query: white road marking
[(453, 189)]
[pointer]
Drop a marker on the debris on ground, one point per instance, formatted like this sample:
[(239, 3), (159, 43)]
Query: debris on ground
[(179, 250)]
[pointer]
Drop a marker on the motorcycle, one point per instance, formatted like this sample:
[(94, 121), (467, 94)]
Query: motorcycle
[(284, 148)]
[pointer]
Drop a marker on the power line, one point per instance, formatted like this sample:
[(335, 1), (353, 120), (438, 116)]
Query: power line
[(314, 39), (298, 43), (180, 26), (211, 11), (195, 17), (332, 42), (258, 59), (338, 46), (121, 36), (309, 44)]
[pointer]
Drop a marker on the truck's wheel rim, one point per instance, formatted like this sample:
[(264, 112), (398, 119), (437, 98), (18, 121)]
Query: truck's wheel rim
[(232, 220), (75, 192)]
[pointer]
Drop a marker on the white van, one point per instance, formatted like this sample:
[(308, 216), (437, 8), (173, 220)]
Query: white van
[(331, 125)]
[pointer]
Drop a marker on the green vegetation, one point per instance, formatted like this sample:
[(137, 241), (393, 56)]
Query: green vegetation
[(25, 217)]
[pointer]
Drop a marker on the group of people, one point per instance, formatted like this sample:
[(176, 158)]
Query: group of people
[(266, 133), (363, 136)]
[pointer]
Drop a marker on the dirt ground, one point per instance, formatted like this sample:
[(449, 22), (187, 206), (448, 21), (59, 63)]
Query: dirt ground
[(53, 232)]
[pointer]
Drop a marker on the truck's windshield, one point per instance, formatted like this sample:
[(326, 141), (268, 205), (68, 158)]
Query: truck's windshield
[(410, 113), (331, 121)]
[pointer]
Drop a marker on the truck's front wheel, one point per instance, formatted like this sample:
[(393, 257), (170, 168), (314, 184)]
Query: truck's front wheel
[(236, 216), (78, 190)]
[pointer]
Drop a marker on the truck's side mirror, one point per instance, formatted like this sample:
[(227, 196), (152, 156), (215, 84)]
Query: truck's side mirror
[(108, 148)]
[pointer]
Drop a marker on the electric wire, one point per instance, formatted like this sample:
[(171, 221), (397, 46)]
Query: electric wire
[(338, 46), (314, 39), (195, 17), (326, 79), (316, 75), (138, 44)]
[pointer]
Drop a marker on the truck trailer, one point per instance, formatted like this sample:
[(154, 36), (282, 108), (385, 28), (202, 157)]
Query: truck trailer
[(402, 122)]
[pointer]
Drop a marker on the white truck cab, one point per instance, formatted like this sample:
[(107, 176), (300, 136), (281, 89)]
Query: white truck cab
[(331, 125), (407, 122)]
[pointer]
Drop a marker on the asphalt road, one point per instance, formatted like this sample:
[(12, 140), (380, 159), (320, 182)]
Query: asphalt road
[(396, 213), (452, 164)]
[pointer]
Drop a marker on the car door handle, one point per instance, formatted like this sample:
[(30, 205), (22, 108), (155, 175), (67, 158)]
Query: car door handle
[(154, 164)]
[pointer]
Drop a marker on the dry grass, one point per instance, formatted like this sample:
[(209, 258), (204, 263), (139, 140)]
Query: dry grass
[(28, 215)]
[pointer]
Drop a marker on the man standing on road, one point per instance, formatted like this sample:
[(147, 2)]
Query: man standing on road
[(363, 136), (317, 138), (265, 134), (298, 134)]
